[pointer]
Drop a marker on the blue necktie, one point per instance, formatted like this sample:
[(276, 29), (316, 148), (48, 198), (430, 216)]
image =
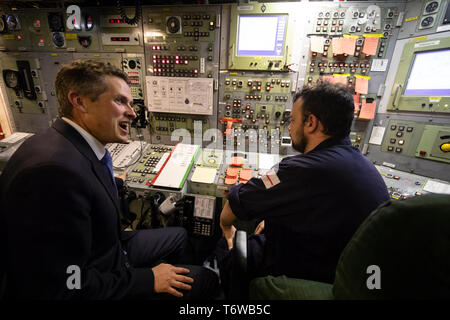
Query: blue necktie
[(107, 161)]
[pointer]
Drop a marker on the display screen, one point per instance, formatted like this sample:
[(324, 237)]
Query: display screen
[(261, 35), (429, 74)]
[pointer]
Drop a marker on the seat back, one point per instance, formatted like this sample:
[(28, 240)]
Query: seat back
[(402, 250)]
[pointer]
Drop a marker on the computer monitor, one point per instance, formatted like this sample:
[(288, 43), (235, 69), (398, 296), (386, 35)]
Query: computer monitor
[(261, 35), (422, 82), (429, 75)]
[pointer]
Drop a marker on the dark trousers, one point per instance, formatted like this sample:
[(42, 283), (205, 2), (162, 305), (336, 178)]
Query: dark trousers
[(234, 283), (151, 247)]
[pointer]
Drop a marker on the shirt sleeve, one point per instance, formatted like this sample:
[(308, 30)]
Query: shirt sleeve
[(260, 197), (51, 229)]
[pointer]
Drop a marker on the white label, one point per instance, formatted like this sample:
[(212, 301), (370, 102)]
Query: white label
[(204, 207), (377, 135), (245, 8), (13, 138), (180, 95), (379, 65), (270, 179), (427, 44), (437, 187), (443, 28), (202, 65)]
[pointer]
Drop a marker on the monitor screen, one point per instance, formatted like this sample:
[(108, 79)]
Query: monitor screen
[(429, 74), (261, 35)]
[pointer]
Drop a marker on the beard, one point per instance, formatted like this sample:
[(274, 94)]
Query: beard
[(300, 143)]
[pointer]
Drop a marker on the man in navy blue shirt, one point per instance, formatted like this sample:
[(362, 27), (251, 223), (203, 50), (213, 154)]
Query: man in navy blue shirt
[(310, 204)]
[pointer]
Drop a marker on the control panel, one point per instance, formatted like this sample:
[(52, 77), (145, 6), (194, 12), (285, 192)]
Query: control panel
[(182, 56), (134, 66), (141, 175), (257, 105), (402, 185), (121, 33)]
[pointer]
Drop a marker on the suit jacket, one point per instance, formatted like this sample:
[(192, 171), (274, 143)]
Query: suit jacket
[(59, 208)]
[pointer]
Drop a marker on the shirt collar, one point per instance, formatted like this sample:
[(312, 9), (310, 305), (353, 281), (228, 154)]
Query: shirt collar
[(333, 141), (96, 146)]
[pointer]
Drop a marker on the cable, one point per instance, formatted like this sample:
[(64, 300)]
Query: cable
[(137, 14)]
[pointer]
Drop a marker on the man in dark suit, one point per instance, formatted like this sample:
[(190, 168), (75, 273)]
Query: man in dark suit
[(60, 209)]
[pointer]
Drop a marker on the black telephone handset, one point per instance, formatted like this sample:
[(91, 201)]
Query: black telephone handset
[(199, 214)]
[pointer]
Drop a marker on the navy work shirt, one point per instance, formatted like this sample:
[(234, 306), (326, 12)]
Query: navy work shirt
[(311, 207)]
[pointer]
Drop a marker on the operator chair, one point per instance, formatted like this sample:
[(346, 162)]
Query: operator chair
[(409, 240)]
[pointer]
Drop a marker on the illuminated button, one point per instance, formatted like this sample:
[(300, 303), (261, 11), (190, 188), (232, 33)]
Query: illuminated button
[(401, 142), (445, 147)]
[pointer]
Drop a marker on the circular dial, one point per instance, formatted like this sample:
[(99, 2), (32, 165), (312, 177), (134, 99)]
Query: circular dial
[(173, 24), (11, 78), (132, 64), (427, 21), (431, 7), (12, 22), (58, 39)]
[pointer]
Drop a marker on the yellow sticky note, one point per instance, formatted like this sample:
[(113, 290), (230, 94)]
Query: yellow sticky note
[(204, 175)]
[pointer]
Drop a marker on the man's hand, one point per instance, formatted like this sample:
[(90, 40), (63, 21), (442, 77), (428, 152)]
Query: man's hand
[(168, 277), (123, 175), (228, 233), (260, 228)]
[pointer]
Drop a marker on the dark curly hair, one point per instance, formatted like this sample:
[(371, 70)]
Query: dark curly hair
[(332, 104), (85, 77)]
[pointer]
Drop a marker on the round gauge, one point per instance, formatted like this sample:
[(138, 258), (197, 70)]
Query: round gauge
[(427, 21), (431, 7), (132, 64), (58, 39), (11, 22), (173, 24), (11, 78)]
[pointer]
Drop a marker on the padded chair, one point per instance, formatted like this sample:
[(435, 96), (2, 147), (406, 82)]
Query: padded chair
[(409, 240)]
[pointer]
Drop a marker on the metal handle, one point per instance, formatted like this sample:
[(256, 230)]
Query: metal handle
[(232, 55), (394, 101)]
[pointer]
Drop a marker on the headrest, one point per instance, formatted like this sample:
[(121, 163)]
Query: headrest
[(402, 250)]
